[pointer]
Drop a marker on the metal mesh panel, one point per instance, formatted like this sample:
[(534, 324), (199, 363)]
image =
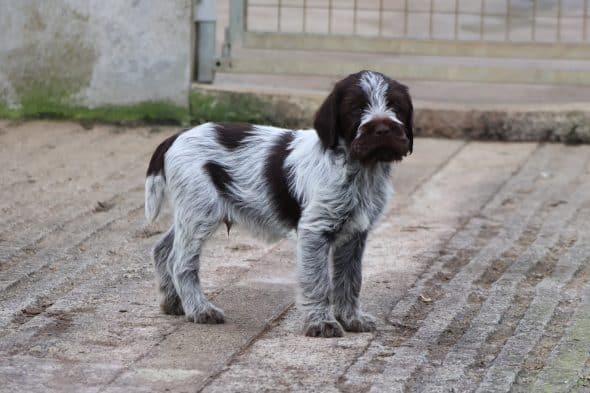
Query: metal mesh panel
[(478, 20)]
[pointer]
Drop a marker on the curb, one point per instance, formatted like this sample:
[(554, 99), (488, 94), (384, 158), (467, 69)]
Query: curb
[(559, 124), (571, 127)]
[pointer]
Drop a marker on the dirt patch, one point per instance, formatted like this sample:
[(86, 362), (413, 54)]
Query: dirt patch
[(497, 268), (554, 330), (58, 323), (449, 338), (457, 327), (544, 267), (418, 311), (103, 206), (33, 310), (147, 233), (434, 288), (464, 256), (538, 356), (496, 340), (240, 247)]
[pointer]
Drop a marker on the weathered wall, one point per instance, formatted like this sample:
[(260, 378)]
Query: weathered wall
[(95, 52)]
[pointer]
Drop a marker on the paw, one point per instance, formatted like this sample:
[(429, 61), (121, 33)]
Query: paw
[(172, 308), (325, 329), (209, 315), (360, 323)]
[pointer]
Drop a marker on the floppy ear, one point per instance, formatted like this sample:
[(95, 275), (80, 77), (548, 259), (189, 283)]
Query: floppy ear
[(326, 121), (407, 111), (410, 125)]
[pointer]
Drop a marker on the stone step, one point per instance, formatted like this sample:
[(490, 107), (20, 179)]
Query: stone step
[(411, 67)]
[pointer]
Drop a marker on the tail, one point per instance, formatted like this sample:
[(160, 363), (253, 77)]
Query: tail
[(155, 187), (155, 181)]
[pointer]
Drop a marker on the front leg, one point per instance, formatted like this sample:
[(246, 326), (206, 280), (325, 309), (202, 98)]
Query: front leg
[(316, 286), (347, 256)]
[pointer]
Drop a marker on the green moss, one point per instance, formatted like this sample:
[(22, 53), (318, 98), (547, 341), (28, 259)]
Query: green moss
[(52, 103), (7, 113), (44, 106), (583, 381), (230, 107), (246, 107)]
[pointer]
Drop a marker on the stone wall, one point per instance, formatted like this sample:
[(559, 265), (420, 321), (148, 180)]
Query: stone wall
[(93, 53)]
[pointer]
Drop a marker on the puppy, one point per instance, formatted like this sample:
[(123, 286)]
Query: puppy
[(329, 184)]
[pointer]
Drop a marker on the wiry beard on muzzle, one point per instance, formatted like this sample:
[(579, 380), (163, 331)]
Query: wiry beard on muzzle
[(369, 149)]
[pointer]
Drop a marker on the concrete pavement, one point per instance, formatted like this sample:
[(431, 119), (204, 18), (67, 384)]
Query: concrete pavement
[(478, 275)]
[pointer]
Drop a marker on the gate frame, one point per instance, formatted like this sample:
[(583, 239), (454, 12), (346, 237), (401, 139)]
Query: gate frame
[(238, 36)]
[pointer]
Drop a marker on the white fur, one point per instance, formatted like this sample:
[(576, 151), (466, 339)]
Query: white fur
[(376, 89), (154, 195)]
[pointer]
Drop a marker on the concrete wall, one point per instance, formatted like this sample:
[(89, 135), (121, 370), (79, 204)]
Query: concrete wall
[(95, 52)]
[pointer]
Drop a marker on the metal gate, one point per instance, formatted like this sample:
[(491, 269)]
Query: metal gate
[(483, 20), (505, 41), (513, 28)]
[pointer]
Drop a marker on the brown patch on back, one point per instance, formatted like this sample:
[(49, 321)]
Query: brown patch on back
[(219, 176), (156, 165), (231, 135), (287, 206)]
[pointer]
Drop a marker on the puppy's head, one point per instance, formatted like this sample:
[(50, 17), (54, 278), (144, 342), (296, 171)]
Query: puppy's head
[(371, 115)]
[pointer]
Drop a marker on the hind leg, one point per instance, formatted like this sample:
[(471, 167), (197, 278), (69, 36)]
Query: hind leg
[(188, 243), (170, 301)]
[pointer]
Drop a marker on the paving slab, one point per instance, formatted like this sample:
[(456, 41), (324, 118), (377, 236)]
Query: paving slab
[(478, 275)]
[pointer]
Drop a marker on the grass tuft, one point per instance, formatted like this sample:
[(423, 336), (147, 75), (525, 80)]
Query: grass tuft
[(229, 107), (40, 106), (203, 108)]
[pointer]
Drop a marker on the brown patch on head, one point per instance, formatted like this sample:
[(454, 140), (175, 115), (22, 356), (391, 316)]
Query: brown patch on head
[(340, 114), (232, 135), (339, 119), (276, 175), (398, 97)]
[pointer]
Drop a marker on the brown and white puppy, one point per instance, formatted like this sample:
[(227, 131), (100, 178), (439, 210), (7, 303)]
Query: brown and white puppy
[(329, 185)]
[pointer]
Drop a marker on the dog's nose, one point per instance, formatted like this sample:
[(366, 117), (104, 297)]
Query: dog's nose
[(382, 130)]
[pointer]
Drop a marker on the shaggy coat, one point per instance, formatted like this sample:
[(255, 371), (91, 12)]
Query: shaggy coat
[(329, 185)]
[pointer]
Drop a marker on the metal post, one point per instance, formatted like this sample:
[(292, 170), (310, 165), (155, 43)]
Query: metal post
[(237, 21), (354, 16), (508, 19), (380, 18), (205, 21), (559, 21), (330, 11), (304, 15), (430, 19), (534, 26), (406, 11), (482, 19), (457, 5), (585, 21), (279, 15), (234, 32)]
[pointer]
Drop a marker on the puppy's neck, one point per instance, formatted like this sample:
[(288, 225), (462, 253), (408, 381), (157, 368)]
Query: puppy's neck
[(356, 166)]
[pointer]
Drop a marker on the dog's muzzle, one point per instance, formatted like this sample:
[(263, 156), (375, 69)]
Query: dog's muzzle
[(382, 140)]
